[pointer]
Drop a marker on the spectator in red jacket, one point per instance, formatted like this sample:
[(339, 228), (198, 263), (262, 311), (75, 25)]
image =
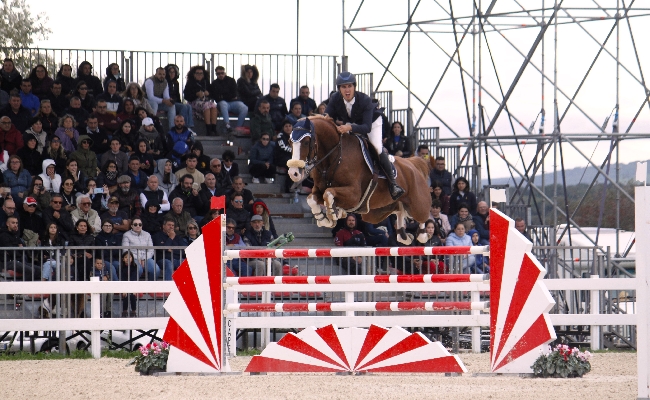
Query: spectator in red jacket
[(10, 138)]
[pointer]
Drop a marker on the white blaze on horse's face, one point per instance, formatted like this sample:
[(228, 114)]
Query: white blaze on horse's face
[(295, 173)]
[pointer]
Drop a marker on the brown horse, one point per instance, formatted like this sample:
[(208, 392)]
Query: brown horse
[(341, 177)]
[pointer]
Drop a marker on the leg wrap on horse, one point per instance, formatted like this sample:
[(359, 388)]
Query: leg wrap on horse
[(395, 190)]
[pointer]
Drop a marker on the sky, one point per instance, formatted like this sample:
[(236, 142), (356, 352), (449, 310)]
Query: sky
[(250, 26)]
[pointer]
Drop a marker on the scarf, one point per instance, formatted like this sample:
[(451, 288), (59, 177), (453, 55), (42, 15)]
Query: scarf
[(111, 175)]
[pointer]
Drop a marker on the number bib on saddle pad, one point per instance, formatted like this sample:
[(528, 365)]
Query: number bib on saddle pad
[(369, 162)]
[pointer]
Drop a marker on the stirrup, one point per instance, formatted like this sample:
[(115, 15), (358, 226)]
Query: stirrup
[(396, 192)]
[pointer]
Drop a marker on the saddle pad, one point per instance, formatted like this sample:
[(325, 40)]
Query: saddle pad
[(368, 158)]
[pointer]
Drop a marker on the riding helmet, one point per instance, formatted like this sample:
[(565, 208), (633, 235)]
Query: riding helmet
[(346, 77)]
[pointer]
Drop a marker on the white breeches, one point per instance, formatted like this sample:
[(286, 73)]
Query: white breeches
[(375, 135)]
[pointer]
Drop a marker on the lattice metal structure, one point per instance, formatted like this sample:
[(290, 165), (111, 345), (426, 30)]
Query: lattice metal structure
[(521, 84)]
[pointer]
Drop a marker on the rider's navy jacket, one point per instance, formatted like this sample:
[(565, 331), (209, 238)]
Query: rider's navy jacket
[(362, 112)]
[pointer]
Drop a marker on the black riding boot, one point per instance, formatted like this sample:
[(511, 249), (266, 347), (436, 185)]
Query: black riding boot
[(395, 190)]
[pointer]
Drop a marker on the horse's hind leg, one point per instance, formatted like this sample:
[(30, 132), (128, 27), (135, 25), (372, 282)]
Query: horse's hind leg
[(402, 236), (422, 234)]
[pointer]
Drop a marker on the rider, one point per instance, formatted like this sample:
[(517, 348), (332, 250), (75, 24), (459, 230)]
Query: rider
[(353, 112)]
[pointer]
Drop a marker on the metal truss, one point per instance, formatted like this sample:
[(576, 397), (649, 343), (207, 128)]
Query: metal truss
[(500, 55)]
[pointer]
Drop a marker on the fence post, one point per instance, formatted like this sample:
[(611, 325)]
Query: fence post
[(476, 330), (231, 325), (642, 223), (95, 312), (265, 333), (349, 298), (595, 310)]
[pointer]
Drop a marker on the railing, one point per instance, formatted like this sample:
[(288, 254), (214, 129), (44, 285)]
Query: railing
[(288, 70)]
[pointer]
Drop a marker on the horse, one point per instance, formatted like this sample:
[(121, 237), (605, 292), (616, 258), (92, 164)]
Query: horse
[(341, 178)]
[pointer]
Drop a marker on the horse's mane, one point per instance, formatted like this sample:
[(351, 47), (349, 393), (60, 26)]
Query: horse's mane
[(320, 117)]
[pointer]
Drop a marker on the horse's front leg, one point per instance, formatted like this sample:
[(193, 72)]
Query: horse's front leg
[(422, 234), (402, 236), (331, 210), (316, 204)]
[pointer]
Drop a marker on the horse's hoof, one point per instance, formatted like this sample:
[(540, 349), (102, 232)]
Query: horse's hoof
[(422, 237), (407, 241)]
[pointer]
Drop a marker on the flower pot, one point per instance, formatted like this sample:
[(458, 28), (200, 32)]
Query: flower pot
[(151, 371)]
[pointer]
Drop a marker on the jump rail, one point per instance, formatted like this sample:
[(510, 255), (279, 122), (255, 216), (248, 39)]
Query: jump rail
[(354, 279), (360, 306)]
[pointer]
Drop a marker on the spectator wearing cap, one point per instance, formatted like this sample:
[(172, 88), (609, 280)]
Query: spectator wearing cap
[(138, 178), (128, 196), (56, 214), (30, 155), (85, 212), (85, 157), (119, 219), (260, 237), (31, 224)]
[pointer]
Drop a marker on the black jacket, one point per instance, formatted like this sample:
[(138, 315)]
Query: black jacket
[(32, 159), (20, 119), (172, 84), (362, 112), (94, 84), (261, 238), (192, 204), (224, 89), (59, 103), (241, 217), (192, 87), (63, 223), (67, 83), (278, 110), (31, 221), (403, 145), (151, 223), (162, 242), (10, 81), (121, 86)]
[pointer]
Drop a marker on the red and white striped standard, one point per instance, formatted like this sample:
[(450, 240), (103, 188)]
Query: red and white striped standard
[(357, 252), (355, 279), (360, 306)]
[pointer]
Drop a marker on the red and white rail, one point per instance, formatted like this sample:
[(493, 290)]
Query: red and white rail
[(357, 252), (355, 279), (359, 306)]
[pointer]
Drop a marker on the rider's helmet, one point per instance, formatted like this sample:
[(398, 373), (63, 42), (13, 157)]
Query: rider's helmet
[(346, 77)]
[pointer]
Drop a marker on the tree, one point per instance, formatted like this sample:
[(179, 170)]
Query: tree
[(18, 30)]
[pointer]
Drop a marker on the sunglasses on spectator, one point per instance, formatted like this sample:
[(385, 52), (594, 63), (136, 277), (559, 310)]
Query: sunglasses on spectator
[(238, 201), (56, 141), (136, 224), (230, 227), (83, 88), (29, 205), (57, 202), (192, 228)]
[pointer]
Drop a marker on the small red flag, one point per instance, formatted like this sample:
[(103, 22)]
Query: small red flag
[(218, 202)]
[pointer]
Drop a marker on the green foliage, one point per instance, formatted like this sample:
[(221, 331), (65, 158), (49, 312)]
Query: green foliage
[(153, 355), (562, 362), (249, 352), (43, 355)]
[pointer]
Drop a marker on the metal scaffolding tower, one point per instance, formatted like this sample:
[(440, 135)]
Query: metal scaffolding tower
[(480, 70)]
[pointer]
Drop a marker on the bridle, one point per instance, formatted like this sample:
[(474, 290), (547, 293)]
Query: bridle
[(311, 160)]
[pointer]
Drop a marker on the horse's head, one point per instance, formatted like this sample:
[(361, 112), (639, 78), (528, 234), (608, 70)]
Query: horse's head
[(302, 139)]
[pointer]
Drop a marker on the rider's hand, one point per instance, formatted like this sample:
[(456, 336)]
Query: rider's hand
[(344, 128)]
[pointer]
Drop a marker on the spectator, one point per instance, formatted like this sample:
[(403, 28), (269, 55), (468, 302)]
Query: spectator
[(294, 115), (127, 111), (260, 208), (237, 213), (56, 153), (459, 238), (67, 133), (179, 216), (260, 237), (4, 98), (139, 238), (307, 104), (69, 194), (120, 158), (48, 118), (86, 98), (17, 178), (8, 210), (423, 152), (202, 161), (230, 167), (193, 232), (208, 217), (441, 220), (103, 272), (167, 259), (67, 81), (247, 87), (398, 144), (98, 198), (261, 121), (262, 162), (481, 263), (520, 225), (463, 216), (208, 189), (157, 91), (50, 238), (185, 110), (28, 99), (85, 212), (152, 220), (38, 192), (434, 236), (55, 213), (138, 178), (278, 107), (31, 223), (224, 91), (147, 163), (461, 194), (156, 142), (83, 257), (238, 187), (129, 271), (98, 136), (180, 133), (76, 110), (128, 137), (438, 194), (86, 158), (19, 115), (84, 74), (482, 220), (284, 148), (112, 99), (376, 236), (36, 130), (196, 92), (10, 78), (167, 181), (153, 192), (58, 101), (12, 260), (442, 176), (113, 74), (321, 108), (223, 179), (350, 236), (30, 156), (141, 114), (233, 239), (136, 96), (51, 180), (120, 220), (78, 177), (11, 139), (128, 196), (189, 193), (108, 176), (190, 169)]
